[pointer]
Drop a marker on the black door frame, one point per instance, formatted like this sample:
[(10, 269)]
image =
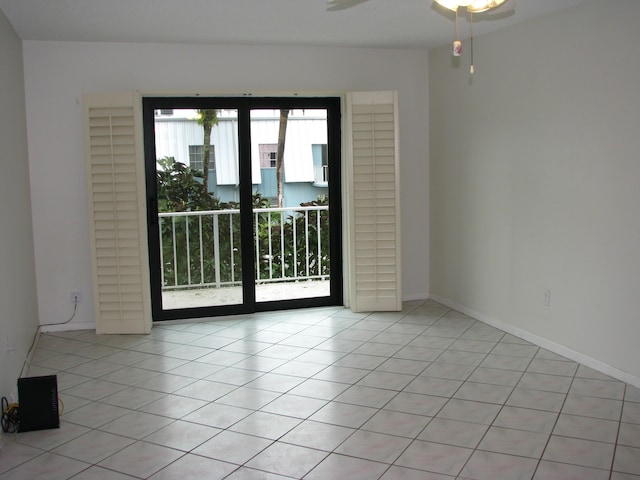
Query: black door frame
[(244, 105)]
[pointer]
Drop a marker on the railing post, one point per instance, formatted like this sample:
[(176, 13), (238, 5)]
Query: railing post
[(201, 251), (232, 251), (257, 237), (295, 247), (216, 248), (270, 247), (306, 240), (161, 253), (282, 254), (175, 252), (186, 227), (318, 238)]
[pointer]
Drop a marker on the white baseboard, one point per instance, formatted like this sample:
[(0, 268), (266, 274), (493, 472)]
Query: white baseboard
[(415, 296), (66, 327), (543, 343)]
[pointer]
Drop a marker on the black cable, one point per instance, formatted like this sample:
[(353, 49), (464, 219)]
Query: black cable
[(10, 411), (35, 336), (75, 307), (10, 416)]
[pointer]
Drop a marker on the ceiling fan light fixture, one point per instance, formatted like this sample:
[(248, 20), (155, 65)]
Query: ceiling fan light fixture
[(474, 6), (452, 4), (479, 6)]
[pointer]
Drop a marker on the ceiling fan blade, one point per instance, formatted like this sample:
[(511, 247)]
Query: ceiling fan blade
[(335, 5)]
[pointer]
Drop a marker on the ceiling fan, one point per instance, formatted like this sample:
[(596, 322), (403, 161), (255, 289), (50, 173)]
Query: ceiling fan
[(486, 8), (472, 6)]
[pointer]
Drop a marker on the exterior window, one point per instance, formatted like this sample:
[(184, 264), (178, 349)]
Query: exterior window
[(196, 153), (268, 155)]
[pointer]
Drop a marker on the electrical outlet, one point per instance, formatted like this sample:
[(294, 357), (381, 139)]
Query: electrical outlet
[(76, 297)]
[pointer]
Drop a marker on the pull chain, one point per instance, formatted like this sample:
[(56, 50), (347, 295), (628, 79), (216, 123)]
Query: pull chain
[(471, 68), (457, 44)]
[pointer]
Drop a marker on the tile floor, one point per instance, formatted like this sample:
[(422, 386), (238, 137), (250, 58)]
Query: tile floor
[(424, 394)]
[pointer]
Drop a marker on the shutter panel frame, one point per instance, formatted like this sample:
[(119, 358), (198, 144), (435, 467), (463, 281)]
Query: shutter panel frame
[(374, 207), (114, 160)]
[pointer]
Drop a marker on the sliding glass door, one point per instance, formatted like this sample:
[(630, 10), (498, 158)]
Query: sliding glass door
[(243, 200)]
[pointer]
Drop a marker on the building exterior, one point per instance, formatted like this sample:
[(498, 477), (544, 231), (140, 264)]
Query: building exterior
[(179, 135)]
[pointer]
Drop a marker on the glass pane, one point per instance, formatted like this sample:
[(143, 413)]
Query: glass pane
[(291, 204), (198, 210)]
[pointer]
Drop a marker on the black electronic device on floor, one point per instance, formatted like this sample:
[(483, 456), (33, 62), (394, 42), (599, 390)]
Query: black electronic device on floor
[(38, 403)]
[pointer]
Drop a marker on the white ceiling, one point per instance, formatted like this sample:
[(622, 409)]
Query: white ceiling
[(370, 23)]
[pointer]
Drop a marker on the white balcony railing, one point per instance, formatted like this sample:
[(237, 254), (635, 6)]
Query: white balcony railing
[(202, 249)]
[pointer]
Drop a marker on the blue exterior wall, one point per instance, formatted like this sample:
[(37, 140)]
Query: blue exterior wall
[(294, 193)]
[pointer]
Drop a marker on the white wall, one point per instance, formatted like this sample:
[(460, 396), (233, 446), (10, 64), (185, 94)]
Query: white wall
[(57, 73), (18, 306), (535, 181)]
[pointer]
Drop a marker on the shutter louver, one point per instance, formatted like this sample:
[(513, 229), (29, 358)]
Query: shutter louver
[(115, 182), (375, 228)]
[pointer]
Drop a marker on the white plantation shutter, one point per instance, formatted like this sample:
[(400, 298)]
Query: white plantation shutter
[(375, 212), (115, 182)]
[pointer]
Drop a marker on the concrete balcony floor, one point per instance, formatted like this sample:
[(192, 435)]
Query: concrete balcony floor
[(212, 296)]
